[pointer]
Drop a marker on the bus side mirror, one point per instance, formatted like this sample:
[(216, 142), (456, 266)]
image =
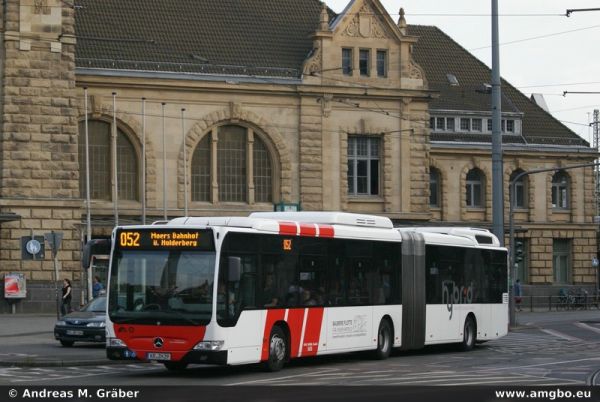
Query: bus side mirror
[(94, 247), (235, 268)]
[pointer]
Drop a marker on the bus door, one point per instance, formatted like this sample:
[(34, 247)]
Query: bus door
[(350, 318)]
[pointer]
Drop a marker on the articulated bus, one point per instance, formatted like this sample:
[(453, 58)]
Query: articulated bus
[(277, 286)]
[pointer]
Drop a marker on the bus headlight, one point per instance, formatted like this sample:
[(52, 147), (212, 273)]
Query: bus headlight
[(210, 345), (115, 343)]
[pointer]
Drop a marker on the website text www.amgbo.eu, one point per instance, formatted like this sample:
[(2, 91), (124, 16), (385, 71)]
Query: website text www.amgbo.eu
[(544, 394)]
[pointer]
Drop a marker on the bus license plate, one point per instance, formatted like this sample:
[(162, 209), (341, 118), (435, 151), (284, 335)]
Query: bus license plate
[(70, 332), (158, 356)]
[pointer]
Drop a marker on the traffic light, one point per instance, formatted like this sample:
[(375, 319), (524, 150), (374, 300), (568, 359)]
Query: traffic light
[(518, 251)]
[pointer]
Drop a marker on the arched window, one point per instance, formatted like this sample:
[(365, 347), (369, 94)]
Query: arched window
[(435, 186), (241, 158), (102, 163), (560, 190), (475, 188), (520, 198), (201, 163)]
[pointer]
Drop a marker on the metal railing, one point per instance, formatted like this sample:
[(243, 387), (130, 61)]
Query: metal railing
[(558, 302)]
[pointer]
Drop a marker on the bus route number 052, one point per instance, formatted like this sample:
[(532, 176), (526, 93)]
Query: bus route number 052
[(129, 239)]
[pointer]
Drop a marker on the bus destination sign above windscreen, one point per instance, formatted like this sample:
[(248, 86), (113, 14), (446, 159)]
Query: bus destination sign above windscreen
[(165, 239)]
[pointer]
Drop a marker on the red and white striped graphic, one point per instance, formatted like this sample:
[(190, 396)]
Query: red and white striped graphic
[(305, 330), (306, 229)]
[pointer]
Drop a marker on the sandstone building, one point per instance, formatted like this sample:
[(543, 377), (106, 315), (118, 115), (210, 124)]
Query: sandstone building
[(227, 107)]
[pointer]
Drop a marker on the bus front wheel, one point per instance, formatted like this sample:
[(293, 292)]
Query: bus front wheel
[(384, 340), (175, 366), (469, 334), (277, 349)]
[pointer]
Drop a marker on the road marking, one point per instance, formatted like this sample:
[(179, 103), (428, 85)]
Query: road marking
[(281, 378), (588, 327), (539, 365), (561, 335)]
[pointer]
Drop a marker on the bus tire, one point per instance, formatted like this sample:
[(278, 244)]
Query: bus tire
[(175, 366), (278, 348), (384, 340), (469, 335)]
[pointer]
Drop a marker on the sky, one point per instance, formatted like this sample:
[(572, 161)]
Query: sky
[(564, 56)]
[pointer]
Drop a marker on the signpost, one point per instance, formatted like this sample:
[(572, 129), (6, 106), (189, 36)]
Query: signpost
[(54, 239)]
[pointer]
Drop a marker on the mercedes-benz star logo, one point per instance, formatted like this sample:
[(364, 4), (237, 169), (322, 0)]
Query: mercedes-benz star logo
[(158, 342)]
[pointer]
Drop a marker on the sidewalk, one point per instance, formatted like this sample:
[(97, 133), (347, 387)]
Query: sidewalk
[(27, 340)]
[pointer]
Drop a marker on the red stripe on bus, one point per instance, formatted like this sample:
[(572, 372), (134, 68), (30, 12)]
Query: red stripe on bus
[(294, 319), (272, 317), (308, 229), (312, 332), (326, 231), (288, 228)]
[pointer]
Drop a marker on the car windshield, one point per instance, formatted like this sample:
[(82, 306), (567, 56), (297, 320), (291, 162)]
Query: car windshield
[(170, 287), (97, 305)]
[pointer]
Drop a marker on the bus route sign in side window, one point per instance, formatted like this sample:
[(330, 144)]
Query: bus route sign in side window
[(165, 239)]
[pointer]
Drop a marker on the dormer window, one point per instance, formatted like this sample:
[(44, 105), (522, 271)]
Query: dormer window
[(382, 63), (347, 61), (364, 62), (476, 125)]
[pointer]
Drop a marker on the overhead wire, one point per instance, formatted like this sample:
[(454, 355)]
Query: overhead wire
[(537, 37)]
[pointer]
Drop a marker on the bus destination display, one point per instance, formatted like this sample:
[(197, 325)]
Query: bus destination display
[(179, 239)]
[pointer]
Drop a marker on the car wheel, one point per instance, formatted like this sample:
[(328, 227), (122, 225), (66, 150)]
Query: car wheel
[(277, 350), (67, 343)]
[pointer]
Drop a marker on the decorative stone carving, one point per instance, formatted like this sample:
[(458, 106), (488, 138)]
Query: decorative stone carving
[(415, 72), (326, 105), (365, 24), (314, 63), (41, 7)]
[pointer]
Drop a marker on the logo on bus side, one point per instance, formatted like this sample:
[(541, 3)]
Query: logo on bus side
[(453, 294)]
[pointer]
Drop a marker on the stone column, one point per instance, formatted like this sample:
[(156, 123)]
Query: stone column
[(39, 172)]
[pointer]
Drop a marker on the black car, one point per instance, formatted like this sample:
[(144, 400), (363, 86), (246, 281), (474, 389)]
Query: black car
[(86, 325)]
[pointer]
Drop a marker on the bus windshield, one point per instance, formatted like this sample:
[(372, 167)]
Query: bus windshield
[(170, 287)]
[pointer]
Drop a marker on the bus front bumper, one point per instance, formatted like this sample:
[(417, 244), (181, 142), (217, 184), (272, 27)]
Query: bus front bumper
[(192, 357)]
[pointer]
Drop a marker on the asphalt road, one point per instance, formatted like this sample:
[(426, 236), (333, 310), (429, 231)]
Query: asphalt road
[(546, 349)]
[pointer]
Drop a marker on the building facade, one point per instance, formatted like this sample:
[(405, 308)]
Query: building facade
[(224, 108)]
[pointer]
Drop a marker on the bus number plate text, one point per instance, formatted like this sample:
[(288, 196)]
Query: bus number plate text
[(158, 356)]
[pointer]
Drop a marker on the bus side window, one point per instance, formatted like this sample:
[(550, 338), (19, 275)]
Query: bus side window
[(247, 291)]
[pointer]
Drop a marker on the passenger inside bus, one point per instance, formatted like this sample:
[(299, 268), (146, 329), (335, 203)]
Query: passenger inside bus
[(307, 299), (269, 295)]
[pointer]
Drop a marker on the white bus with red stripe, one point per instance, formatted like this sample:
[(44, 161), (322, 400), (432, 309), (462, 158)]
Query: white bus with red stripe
[(277, 286)]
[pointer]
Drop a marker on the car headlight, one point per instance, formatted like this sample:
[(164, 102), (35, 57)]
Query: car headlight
[(60, 323), (96, 324), (115, 343), (209, 345)]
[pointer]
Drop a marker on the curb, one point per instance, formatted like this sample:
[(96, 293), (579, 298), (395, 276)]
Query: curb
[(25, 334)]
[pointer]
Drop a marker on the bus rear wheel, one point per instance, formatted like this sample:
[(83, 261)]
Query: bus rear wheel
[(384, 340), (277, 350), (469, 335)]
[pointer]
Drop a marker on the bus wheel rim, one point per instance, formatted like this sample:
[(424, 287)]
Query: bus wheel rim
[(277, 348)]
